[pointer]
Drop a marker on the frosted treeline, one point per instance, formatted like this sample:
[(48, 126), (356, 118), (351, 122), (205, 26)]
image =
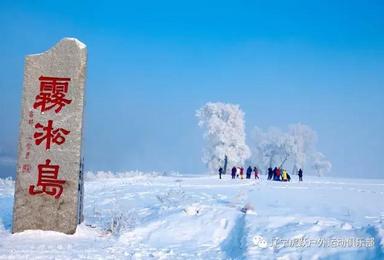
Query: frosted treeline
[(7, 181), (224, 134), (90, 175)]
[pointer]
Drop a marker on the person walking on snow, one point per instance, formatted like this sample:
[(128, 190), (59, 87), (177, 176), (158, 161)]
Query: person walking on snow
[(300, 175), (233, 172), (249, 172), (270, 173), (256, 172), (241, 172), (220, 172)]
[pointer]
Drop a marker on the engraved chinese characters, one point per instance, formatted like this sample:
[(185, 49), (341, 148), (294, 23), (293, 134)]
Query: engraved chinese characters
[(48, 192)]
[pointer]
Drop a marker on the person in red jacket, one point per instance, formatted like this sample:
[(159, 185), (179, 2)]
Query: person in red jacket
[(256, 172), (241, 172), (278, 174)]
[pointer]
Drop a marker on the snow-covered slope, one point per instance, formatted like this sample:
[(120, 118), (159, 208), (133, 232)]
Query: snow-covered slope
[(186, 217)]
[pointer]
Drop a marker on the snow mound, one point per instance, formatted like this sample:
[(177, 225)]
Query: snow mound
[(193, 210)]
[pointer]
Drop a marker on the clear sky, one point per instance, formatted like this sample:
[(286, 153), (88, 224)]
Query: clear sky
[(153, 63)]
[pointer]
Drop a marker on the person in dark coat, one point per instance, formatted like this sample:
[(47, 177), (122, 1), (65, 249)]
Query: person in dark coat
[(220, 172), (233, 173), (249, 172), (300, 175), (288, 177), (256, 171), (270, 173)]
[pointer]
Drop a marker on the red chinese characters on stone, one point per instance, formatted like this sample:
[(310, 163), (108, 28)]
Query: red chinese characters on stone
[(50, 135), (52, 94), (48, 181)]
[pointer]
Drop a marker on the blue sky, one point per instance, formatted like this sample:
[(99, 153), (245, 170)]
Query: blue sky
[(153, 63)]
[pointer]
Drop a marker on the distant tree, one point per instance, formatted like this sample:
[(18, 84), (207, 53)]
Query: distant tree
[(304, 140), (271, 148), (320, 164), (295, 147), (224, 135)]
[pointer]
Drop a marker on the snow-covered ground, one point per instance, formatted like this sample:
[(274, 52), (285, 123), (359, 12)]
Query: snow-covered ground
[(202, 217)]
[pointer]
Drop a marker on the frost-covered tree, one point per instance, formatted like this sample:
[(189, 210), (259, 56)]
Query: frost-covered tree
[(224, 135), (295, 147), (304, 138), (320, 164), (271, 147)]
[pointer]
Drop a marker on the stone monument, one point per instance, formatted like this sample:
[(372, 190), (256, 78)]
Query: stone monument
[(49, 179)]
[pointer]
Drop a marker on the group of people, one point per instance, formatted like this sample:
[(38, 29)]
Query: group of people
[(276, 174), (238, 172)]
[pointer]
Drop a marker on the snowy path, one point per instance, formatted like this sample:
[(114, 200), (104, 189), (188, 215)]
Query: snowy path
[(202, 218)]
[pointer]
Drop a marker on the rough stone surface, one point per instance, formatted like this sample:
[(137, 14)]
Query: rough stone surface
[(67, 59)]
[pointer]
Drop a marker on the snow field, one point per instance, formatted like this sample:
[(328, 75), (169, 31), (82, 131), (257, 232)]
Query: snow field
[(202, 217)]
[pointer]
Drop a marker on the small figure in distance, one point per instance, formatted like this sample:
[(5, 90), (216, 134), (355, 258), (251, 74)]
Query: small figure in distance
[(220, 172), (284, 176), (241, 172), (278, 174), (233, 172), (249, 172), (256, 171), (300, 175)]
